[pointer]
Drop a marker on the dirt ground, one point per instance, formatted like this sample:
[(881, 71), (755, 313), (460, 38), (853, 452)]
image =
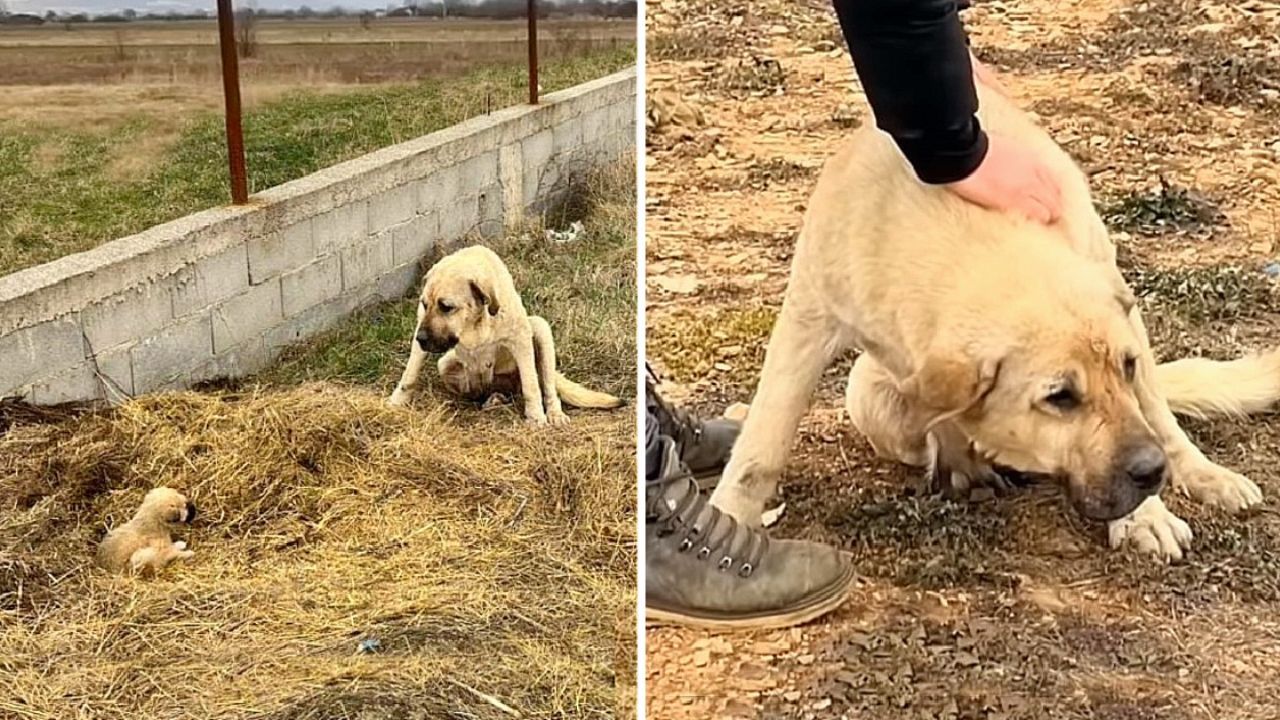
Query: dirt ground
[(1005, 607)]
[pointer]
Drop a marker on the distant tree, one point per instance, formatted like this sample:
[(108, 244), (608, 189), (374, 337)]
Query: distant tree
[(305, 11), (4, 8), (366, 19), (51, 16), (130, 14)]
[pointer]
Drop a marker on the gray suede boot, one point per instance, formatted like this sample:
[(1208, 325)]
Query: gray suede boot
[(703, 445), (705, 569)]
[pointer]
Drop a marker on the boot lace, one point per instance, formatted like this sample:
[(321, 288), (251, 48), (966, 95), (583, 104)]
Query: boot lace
[(698, 529)]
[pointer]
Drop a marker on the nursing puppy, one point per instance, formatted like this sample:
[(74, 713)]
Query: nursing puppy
[(988, 340), (143, 546), (470, 311)]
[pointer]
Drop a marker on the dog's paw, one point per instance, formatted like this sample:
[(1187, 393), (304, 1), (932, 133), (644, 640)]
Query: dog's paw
[(539, 419), (186, 555), (1215, 485), (399, 398), (557, 417), (1153, 529), (179, 544)]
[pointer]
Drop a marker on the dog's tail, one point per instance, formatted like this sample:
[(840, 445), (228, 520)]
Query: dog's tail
[(581, 397), (1202, 388)]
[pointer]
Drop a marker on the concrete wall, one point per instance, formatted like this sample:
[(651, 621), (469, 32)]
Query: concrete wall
[(222, 292)]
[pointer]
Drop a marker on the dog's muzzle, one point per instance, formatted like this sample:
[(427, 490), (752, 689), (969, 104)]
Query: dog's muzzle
[(431, 344), (191, 512)]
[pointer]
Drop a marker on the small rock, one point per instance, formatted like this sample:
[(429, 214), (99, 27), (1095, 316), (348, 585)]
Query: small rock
[(1272, 269), (791, 696), (369, 645), (701, 658), (822, 704)]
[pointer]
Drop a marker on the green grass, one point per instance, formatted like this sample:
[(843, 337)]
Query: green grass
[(586, 289), (51, 208)]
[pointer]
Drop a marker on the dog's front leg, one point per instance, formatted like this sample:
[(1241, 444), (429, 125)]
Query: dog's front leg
[(527, 366), (412, 373), (1191, 472), (805, 340), (545, 349)]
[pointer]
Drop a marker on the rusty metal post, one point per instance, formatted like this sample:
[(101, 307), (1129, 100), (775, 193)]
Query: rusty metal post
[(231, 91), (533, 52)]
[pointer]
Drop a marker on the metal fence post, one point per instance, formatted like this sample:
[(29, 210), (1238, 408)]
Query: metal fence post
[(231, 91), (533, 52)]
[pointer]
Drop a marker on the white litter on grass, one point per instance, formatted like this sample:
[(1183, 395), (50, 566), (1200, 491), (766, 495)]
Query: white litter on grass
[(769, 518), (561, 237)]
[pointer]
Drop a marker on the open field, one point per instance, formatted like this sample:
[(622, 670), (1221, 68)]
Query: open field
[(1006, 607), (85, 163), (312, 52), (488, 560)]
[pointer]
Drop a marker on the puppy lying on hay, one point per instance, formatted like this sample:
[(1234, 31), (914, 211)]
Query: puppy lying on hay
[(143, 546), (470, 548), (471, 311)]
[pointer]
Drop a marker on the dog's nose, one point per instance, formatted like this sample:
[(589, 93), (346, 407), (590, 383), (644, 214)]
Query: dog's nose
[(424, 340), (191, 511), (1145, 466)]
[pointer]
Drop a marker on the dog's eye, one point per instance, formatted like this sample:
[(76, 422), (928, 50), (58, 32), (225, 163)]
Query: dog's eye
[(1130, 368), (1064, 399), (445, 307)]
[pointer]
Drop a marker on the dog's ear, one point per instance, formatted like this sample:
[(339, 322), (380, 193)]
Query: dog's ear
[(484, 297), (948, 385)]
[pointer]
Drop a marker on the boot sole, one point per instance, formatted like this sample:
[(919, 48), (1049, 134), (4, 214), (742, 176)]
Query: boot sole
[(817, 606)]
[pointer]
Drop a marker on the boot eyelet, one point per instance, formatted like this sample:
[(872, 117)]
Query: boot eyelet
[(726, 562), (704, 553), (686, 545), (746, 569)]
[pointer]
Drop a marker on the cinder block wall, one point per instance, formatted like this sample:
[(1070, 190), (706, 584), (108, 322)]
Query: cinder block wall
[(222, 292)]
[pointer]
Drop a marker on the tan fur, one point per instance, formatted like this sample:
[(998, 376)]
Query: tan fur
[(144, 545), (470, 309), (1202, 388), (970, 321)]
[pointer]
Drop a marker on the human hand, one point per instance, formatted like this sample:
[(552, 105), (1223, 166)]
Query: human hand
[(1011, 179)]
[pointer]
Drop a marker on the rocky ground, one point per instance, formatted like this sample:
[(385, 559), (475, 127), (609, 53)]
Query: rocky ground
[(1008, 607)]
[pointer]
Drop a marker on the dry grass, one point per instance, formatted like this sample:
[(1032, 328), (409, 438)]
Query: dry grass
[(480, 554), (316, 52), (486, 558)]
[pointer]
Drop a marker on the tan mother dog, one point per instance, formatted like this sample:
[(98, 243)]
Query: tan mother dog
[(988, 340), (470, 311), (144, 545)]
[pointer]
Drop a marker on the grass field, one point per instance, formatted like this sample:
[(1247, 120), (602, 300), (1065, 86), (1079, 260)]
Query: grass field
[(479, 560), (93, 147)]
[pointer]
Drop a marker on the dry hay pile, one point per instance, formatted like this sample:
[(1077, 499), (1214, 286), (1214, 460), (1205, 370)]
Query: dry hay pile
[(493, 563)]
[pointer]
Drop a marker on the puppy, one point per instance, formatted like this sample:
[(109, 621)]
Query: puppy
[(143, 546), (470, 311)]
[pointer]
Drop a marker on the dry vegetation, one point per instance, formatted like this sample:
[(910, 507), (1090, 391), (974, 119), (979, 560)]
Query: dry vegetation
[(1003, 607), (479, 563)]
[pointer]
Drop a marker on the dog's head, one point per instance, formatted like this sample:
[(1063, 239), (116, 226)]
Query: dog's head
[(168, 505), (457, 306), (1053, 393)]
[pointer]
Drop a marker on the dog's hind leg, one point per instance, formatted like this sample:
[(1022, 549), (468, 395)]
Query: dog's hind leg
[(545, 349), (412, 373), (1190, 471), (881, 413), (805, 340)]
